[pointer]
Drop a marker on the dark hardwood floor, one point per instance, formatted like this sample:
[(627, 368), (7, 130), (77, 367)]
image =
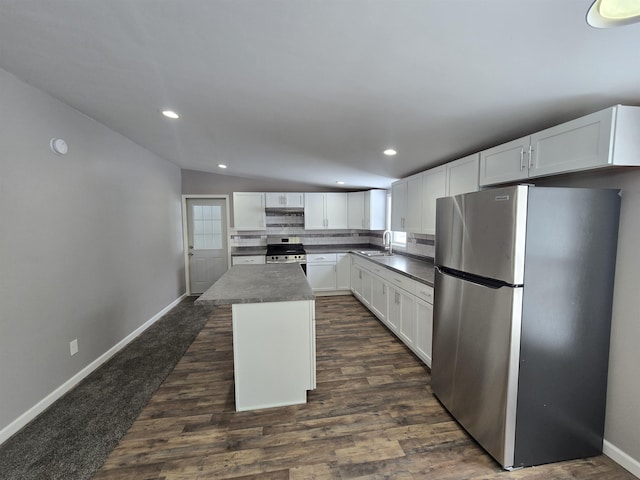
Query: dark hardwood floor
[(372, 416)]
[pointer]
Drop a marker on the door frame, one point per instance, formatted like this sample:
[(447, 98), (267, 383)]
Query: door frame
[(185, 233)]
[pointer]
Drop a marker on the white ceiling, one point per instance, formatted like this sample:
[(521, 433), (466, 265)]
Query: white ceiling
[(313, 90)]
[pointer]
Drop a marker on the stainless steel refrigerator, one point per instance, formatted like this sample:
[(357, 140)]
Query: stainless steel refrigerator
[(522, 315)]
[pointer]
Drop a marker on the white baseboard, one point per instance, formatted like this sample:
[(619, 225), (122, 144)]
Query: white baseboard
[(625, 460), (8, 431)]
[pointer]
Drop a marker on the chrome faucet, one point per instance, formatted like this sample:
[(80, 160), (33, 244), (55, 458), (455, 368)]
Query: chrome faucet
[(386, 240)]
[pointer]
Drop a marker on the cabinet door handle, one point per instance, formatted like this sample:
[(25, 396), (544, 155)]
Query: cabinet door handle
[(522, 159), (384, 289), (530, 157)]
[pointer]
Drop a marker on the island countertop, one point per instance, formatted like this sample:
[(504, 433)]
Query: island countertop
[(276, 282)]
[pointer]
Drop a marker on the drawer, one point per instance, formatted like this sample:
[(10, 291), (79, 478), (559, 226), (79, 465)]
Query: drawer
[(377, 269), (248, 260), (425, 292), (321, 258), (361, 262), (401, 281)]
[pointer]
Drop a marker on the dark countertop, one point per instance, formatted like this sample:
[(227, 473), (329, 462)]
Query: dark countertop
[(420, 270), (410, 266), (259, 284), (338, 248)]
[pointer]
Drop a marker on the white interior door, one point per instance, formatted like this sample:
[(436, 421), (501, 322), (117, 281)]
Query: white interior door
[(207, 237)]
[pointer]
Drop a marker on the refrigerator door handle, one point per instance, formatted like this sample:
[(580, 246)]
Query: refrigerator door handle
[(470, 277)]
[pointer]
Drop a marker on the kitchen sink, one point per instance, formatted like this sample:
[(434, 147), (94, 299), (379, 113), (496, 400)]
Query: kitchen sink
[(374, 253)]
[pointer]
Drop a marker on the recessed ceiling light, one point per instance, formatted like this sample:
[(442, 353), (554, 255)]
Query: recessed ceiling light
[(613, 13), (339, 182), (390, 152), (170, 114), (222, 165)]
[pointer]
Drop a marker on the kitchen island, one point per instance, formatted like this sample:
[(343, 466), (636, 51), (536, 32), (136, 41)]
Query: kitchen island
[(273, 316)]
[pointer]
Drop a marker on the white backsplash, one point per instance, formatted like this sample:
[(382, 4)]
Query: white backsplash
[(417, 244)]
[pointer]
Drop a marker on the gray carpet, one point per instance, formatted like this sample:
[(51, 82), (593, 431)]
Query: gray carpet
[(73, 437)]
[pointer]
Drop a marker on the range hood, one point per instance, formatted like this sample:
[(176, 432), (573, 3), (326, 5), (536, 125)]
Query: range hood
[(285, 210)]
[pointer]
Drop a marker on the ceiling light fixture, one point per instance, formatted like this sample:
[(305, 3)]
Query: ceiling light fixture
[(390, 152), (170, 114), (613, 13), (222, 165), (339, 182)]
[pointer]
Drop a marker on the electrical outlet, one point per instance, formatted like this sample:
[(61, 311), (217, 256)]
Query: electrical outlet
[(73, 346)]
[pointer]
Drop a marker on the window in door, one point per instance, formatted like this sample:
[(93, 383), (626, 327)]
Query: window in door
[(207, 227)]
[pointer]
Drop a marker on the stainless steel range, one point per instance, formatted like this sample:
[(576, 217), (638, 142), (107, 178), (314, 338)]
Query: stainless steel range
[(286, 250)]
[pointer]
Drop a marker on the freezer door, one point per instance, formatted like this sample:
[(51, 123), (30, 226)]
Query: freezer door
[(476, 342), (483, 233)]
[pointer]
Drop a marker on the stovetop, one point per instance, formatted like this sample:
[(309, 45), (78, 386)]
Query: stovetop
[(284, 246)]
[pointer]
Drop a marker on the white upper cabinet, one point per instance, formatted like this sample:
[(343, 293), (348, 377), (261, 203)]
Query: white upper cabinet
[(398, 205), (577, 145), (284, 200), (337, 210), (375, 209), (406, 204), (605, 138), (325, 211), (314, 211), (453, 178), (434, 186), (462, 175), (248, 211), (413, 218), (367, 210), (356, 210), (504, 163)]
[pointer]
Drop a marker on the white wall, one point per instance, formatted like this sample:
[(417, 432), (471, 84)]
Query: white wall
[(90, 243), (622, 429)]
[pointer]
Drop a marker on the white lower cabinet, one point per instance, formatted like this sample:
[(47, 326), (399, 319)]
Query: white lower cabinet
[(322, 276), (343, 271), (404, 305), (379, 298), (406, 315), (356, 280), (424, 330), (394, 313), (329, 272), (366, 288)]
